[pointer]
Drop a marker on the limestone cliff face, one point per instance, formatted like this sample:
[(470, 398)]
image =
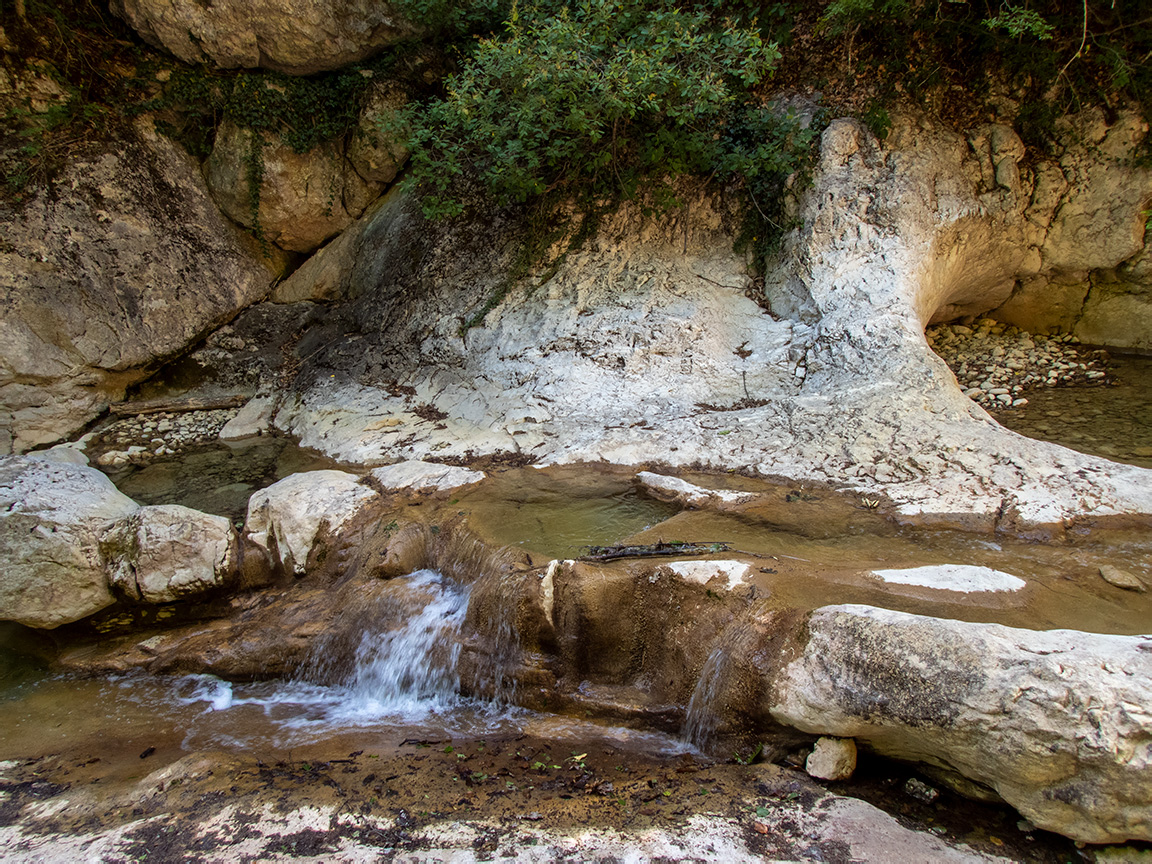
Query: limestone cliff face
[(123, 262), (651, 341)]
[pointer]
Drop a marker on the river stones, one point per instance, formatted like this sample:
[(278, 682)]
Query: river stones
[(167, 552), (288, 517), (1121, 578), (51, 514), (1057, 722)]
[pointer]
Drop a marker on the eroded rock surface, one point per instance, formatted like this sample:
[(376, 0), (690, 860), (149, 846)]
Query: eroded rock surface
[(302, 200), (296, 36), (167, 552), (288, 517), (126, 261), (646, 340), (51, 516), (1056, 721)]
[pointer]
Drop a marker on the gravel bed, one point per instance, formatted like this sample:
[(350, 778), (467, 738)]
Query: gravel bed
[(998, 364)]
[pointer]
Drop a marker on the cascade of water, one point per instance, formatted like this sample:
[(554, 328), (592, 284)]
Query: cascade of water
[(703, 716), (414, 667)]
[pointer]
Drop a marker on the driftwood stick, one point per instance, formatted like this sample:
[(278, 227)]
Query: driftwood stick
[(176, 406)]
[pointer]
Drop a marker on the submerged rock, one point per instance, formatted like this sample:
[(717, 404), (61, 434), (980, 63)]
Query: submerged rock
[(1121, 578), (51, 515), (167, 552), (1056, 722)]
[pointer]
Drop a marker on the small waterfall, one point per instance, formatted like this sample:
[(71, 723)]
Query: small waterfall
[(394, 651), (414, 667), (703, 716)]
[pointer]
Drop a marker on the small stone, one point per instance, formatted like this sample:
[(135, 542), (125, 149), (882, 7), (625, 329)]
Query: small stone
[(832, 759), (921, 791), (1121, 578)]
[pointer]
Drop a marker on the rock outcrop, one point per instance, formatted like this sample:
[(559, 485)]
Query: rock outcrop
[(51, 516), (302, 200), (167, 552), (645, 341), (124, 262), (296, 36), (1056, 722)]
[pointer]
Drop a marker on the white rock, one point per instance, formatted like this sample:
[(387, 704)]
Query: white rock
[(688, 494), (286, 519), (953, 577), (51, 570), (702, 572), (252, 420), (1056, 722), (832, 759), (167, 552), (424, 476)]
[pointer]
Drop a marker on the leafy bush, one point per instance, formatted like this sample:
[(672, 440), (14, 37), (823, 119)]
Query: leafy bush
[(597, 101)]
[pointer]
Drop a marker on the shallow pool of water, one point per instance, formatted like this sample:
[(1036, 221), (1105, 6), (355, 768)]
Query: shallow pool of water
[(216, 478), (1113, 420)]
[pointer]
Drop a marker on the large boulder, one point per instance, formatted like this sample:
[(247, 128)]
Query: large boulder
[(1056, 722), (302, 200), (51, 514), (296, 36), (125, 261), (287, 519), (166, 552)]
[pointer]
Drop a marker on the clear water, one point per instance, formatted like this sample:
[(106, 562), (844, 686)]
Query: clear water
[(216, 478), (1113, 421)]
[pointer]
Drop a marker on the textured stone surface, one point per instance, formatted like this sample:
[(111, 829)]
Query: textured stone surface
[(287, 518), (832, 759), (1121, 578), (304, 198), (1057, 722), (125, 261), (251, 421), (424, 476), (51, 570), (297, 36), (375, 153), (953, 577), (645, 342), (167, 552), (688, 494)]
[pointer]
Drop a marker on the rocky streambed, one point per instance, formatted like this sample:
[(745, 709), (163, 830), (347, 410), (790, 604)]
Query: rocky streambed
[(811, 615)]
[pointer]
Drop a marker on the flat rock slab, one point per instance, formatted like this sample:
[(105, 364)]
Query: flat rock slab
[(1057, 722), (688, 494), (702, 572), (953, 577), (424, 476)]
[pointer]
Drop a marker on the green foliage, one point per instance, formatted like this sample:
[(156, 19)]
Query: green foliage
[(601, 100), (1020, 22), (765, 148), (453, 17)]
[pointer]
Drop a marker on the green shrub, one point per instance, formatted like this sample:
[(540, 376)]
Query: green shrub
[(598, 101)]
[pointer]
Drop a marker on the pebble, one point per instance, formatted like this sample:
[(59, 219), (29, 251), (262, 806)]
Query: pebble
[(921, 791), (992, 361)]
